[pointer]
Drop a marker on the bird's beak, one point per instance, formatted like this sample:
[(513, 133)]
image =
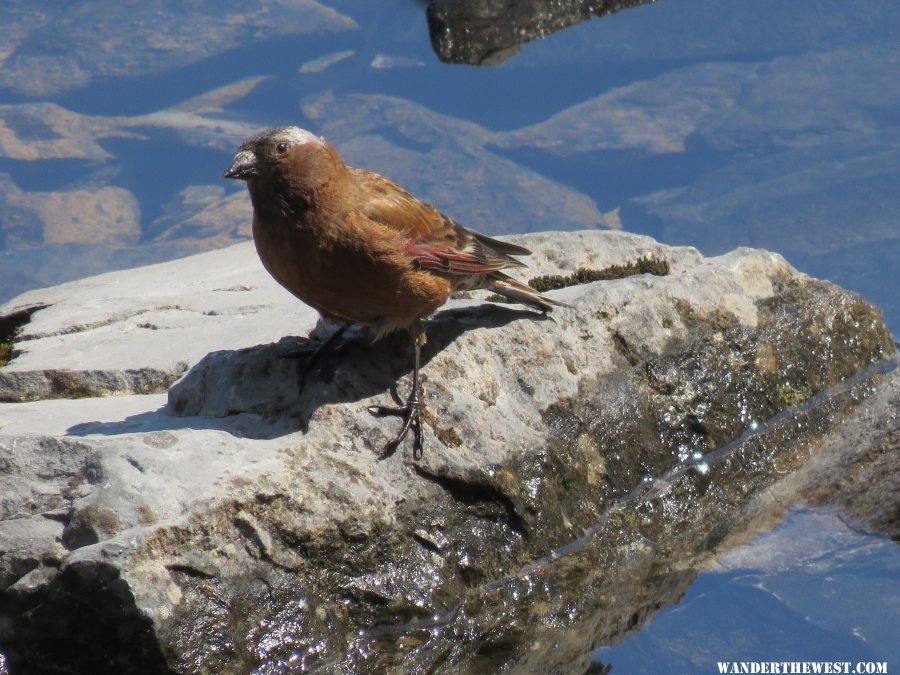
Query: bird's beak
[(243, 166)]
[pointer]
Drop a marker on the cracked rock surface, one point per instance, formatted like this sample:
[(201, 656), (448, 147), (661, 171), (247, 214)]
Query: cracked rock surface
[(578, 467)]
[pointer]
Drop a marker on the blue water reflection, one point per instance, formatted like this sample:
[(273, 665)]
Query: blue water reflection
[(783, 597)]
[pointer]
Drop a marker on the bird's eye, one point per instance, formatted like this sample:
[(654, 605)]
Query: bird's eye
[(281, 148)]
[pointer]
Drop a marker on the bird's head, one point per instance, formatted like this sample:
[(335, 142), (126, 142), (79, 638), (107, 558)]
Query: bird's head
[(284, 158)]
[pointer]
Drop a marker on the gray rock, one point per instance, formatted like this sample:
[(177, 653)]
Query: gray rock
[(578, 467), (136, 331)]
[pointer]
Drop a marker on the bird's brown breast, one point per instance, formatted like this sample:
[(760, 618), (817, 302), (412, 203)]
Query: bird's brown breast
[(350, 269)]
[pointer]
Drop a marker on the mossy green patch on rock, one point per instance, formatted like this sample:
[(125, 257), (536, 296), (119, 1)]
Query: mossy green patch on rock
[(10, 325), (583, 275), (791, 395), (6, 350)]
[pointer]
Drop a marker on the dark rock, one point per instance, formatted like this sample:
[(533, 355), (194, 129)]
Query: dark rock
[(488, 33)]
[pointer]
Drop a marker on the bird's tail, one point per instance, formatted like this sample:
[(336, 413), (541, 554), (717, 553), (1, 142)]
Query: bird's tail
[(515, 290)]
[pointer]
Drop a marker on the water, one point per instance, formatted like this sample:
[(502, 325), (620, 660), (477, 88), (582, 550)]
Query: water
[(748, 123), (783, 597)]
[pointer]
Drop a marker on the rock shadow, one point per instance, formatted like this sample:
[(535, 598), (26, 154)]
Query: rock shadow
[(254, 392), (85, 618)]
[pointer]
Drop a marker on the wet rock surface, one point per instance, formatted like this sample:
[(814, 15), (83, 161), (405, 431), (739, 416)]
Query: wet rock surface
[(487, 33), (579, 468)]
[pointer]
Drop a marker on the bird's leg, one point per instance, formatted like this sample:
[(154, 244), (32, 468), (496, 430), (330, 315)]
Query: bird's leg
[(322, 350), (411, 411)]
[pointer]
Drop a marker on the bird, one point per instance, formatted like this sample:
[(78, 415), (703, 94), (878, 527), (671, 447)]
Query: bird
[(361, 250)]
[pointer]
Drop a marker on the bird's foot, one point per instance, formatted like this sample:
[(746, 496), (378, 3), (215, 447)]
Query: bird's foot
[(411, 414), (313, 356)]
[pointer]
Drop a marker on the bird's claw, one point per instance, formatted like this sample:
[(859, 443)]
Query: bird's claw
[(411, 413)]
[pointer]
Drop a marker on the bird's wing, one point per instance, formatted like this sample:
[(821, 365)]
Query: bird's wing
[(471, 257), (434, 241), (388, 204)]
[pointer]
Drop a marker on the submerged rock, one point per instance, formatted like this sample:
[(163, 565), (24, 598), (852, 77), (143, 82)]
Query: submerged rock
[(488, 33), (578, 467)]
